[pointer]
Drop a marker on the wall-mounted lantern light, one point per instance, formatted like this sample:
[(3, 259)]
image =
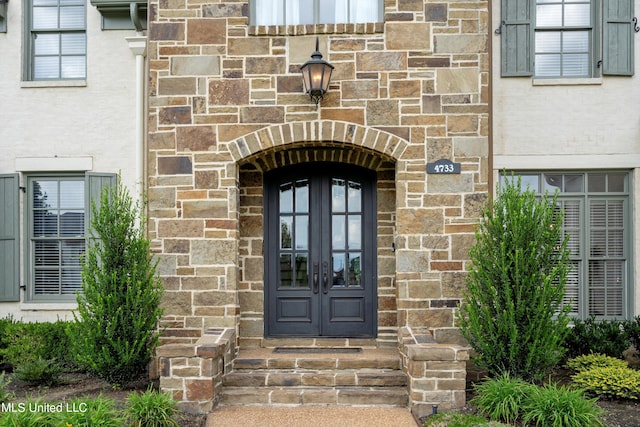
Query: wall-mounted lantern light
[(316, 74)]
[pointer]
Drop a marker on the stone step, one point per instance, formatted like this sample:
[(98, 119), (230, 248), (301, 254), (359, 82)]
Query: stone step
[(288, 396), (269, 358), (316, 378)]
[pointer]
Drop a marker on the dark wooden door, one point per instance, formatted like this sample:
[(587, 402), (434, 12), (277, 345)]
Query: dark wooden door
[(320, 250)]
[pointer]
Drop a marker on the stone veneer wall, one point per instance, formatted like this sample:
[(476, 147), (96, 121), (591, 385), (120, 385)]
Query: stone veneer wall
[(225, 96)]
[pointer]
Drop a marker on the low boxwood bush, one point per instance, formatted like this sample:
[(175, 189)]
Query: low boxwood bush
[(27, 342), (151, 409), (633, 330), (5, 395), (608, 337), (553, 406), (611, 382), (38, 372), (501, 398), (590, 361)]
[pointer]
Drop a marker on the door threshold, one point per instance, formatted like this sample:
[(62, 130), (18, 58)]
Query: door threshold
[(317, 350)]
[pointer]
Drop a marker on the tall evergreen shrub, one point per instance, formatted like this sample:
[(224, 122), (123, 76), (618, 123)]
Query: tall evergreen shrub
[(512, 313), (115, 330)]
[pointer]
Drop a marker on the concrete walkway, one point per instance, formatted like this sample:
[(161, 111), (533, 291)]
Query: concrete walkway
[(310, 416)]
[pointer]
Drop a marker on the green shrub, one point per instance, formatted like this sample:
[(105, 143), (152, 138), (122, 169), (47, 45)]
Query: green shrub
[(455, 419), (27, 342), (501, 398), (633, 331), (151, 409), (611, 382), (38, 372), (553, 406), (590, 361), (512, 313), (4, 343), (607, 337), (5, 395), (92, 412), (119, 308)]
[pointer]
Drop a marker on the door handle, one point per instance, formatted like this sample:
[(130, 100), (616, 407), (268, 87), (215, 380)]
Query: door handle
[(325, 278), (315, 277)]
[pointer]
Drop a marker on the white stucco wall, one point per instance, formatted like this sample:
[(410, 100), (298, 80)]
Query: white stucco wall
[(569, 124), (92, 124)]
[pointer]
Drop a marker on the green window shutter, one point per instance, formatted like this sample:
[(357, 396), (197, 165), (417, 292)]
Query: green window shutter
[(617, 37), (94, 183), (9, 238), (516, 30)]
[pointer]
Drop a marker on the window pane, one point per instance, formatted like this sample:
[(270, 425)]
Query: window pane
[(46, 67), (47, 253), (616, 182), (573, 183), (302, 196), (74, 43), (597, 182), (364, 11), (333, 11), (45, 194), (46, 44), (72, 17), (46, 282), (548, 41), (286, 197), (269, 12), (45, 18), (575, 65), (338, 270), (73, 67), (549, 15), (577, 15), (72, 194), (299, 12), (575, 41), (72, 223), (547, 65)]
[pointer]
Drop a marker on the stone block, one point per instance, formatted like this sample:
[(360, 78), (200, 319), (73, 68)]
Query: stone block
[(205, 65), (414, 36), (206, 31), (381, 61), (199, 389), (319, 397), (284, 380), (458, 80), (229, 92)]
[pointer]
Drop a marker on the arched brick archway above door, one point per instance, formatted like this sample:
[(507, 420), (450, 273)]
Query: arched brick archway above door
[(326, 132)]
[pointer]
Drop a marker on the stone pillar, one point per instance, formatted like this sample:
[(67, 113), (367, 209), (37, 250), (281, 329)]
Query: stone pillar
[(436, 373)]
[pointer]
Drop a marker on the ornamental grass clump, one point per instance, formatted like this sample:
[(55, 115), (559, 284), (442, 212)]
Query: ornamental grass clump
[(554, 406), (501, 398), (512, 313)]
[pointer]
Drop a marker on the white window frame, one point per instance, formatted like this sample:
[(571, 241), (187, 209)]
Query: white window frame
[(580, 243), (317, 5), (59, 29)]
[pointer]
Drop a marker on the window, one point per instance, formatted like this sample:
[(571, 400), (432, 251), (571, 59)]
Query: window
[(303, 12), (567, 38), (56, 209), (596, 218), (57, 41)]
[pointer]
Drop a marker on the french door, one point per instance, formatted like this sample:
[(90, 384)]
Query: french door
[(320, 250)]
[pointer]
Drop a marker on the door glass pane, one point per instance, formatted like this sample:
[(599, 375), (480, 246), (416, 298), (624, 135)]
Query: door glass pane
[(286, 271), (355, 270), (286, 197), (355, 196), (338, 232), (302, 196), (286, 231), (355, 231), (302, 232), (338, 195), (338, 270), (302, 271)]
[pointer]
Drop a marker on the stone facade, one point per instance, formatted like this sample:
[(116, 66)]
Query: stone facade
[(226, 104)]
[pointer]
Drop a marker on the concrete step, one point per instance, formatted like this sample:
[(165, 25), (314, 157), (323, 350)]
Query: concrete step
[(293, 396)]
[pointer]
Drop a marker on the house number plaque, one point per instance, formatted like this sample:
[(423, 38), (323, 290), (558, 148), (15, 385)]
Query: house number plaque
[(443, 166)]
